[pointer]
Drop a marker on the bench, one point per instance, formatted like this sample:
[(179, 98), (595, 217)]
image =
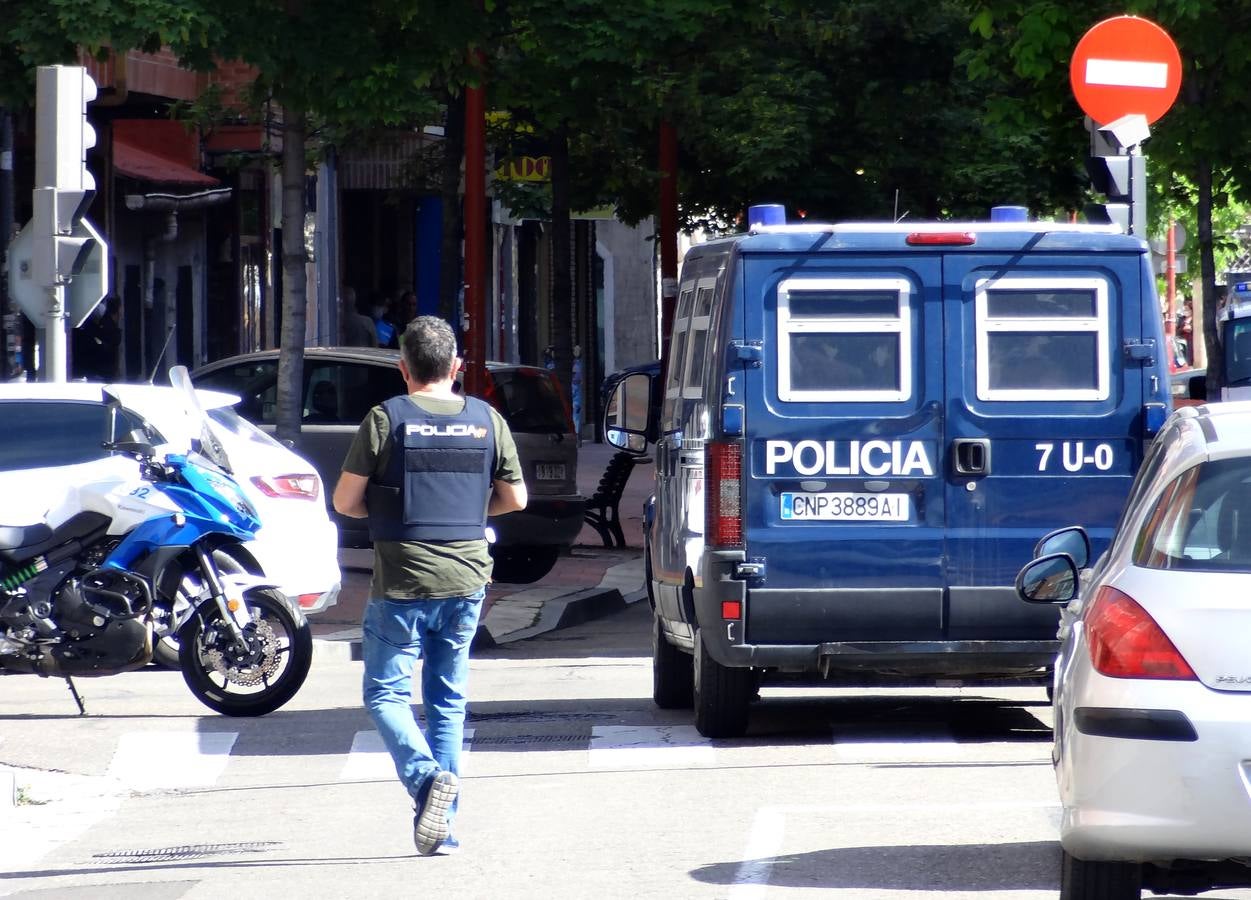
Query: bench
[(601, 507)]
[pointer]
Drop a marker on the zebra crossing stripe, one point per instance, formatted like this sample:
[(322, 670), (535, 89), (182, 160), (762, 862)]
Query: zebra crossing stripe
[(153, 760), (935, 746), (649, 747), (368, 760)]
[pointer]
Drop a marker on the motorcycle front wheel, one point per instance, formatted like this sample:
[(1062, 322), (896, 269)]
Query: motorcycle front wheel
[(258, 677), (189, 593)]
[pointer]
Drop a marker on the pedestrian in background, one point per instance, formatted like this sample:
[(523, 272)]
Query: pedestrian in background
[(426, 469), (381, 314), (358, 328)]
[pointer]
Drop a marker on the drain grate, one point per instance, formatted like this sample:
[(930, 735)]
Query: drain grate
[(187, 851), (514, 739)]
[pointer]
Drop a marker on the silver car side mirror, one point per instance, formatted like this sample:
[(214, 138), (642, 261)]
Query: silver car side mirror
[(1050, 579)]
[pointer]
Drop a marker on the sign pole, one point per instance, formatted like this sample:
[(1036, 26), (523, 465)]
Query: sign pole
[(55, 358)]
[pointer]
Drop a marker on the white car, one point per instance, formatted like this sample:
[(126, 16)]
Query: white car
[(52, 439), (1152, 686)]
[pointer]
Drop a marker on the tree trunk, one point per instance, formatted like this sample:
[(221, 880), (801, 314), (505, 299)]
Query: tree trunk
[(562, 276), (294, 261), (450, 280), (1207, 276)]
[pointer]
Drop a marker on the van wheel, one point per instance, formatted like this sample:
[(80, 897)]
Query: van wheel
[(673, 672), (1099, 880), (722, 695)]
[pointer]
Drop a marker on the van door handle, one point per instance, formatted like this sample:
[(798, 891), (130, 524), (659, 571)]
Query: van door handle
[(971, 456)]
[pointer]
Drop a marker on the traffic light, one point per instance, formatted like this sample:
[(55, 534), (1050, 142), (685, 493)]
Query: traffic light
[(63, 185), (1123, 180)]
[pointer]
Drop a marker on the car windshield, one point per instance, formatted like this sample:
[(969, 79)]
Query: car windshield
[(529, 400), (1202, 521), (46, 433)]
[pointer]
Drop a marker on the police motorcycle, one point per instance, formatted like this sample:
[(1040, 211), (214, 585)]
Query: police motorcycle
[(82, 593)]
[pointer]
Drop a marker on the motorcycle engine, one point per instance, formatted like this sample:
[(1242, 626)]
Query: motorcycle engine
[(97, 623)]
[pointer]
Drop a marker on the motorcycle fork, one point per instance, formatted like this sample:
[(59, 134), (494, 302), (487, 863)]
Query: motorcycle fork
[(218, 590)]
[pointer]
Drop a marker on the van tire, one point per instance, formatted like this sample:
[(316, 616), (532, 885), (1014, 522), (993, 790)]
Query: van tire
[(722, 695), (673, 672), (1099, 880)]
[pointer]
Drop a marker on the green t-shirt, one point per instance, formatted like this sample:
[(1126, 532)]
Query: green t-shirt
[(427, 570)]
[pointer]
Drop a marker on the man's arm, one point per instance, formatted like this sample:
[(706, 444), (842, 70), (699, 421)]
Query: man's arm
[(349, 495), (505, 498)]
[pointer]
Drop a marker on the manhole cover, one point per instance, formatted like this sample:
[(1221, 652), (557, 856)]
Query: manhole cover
[(187, 851)]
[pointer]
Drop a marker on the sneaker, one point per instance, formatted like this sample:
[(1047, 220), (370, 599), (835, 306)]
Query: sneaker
[(430, 823)]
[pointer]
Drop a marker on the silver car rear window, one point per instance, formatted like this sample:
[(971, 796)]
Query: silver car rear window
[(1202, 521)]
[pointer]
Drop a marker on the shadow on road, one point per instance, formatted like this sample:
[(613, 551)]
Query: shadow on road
[(990, 868)]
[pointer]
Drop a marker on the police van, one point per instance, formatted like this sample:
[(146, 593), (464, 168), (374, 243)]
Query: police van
[(865, 430)]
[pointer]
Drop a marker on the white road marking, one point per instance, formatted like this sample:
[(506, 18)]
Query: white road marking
[(648, 747), (764, 843), (368, 760), (150, 760), (1126, 73)]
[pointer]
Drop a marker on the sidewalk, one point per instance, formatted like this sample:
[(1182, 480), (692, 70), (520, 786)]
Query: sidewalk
[(591, 581)]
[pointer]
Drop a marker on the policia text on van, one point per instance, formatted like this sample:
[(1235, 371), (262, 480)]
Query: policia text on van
[(865, 430)]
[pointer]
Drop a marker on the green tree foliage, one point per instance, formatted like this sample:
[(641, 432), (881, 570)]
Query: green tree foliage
[(1196, 151)]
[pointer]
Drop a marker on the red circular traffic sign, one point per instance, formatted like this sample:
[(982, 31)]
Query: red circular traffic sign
[(1125, 65)]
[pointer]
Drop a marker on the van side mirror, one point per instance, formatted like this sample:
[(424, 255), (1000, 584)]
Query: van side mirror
[(1072, 541), (628, 412), (1051, 579)]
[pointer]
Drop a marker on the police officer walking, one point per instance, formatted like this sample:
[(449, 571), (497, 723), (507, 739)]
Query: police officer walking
[(427, 469)]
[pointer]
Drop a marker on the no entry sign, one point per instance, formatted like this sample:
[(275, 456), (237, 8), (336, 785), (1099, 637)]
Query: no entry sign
[(1125, 65)]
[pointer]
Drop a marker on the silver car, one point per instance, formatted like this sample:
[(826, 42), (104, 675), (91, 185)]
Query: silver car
[(1152, 685)]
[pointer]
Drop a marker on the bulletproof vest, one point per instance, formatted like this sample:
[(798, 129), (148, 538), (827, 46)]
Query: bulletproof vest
[(439, 477)]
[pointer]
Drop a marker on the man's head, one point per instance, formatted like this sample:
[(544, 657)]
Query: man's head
[(428, 349)]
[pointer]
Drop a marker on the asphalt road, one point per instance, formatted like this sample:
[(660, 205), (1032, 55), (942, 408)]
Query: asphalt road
[(575, 786)]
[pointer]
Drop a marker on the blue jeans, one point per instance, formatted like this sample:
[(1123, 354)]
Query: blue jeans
[(396, 634)]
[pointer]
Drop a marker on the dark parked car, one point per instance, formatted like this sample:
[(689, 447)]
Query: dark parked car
[(342, 384)]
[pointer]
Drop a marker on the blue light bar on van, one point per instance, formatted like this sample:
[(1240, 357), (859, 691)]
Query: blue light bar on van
[(940, 238), (1009, 213), (766, 214)]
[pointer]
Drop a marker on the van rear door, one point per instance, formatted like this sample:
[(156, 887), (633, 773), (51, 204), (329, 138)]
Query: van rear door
[(844, 493), (1044, 403)]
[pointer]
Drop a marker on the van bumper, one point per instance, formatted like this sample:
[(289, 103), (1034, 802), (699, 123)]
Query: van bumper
[(855, 661)]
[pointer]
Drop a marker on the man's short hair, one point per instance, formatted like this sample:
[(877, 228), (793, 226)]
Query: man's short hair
[(429, 348)]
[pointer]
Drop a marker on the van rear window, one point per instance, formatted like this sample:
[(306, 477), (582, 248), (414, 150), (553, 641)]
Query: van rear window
[(1042, 338), (845, 339)]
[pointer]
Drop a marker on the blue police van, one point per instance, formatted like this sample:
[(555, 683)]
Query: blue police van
[(865, 430)]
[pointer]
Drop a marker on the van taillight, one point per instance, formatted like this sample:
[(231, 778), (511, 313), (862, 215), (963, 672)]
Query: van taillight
[(1125, 642), (723, 493)]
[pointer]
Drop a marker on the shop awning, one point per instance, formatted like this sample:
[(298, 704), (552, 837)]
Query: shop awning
[(136, 162)]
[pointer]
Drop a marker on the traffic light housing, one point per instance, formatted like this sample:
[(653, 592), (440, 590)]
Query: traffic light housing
[(62, 241), (1122, 179)]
